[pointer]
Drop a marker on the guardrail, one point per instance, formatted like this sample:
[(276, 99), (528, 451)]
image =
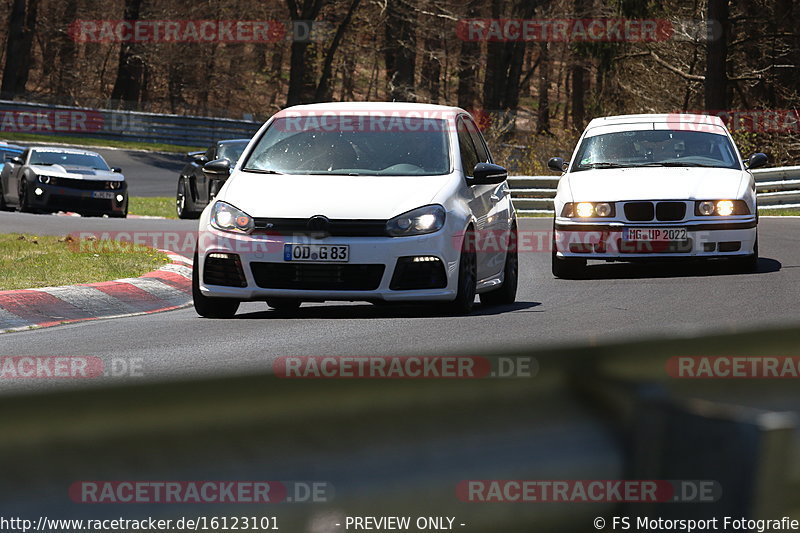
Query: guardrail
[(24, 117), (402, 446), (777, 188)]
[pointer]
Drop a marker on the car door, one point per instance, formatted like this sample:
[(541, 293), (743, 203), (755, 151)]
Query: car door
[(477, 195), (498, 221), (11, 186)]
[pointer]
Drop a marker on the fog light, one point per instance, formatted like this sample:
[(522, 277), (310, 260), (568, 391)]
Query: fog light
[(120, 198), (584, 209), (706, 208), (724, 208), (424, 259), (38, 192), (219, 256)]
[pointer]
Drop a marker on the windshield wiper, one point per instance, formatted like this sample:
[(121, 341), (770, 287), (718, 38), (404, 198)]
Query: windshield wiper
[(605, 164), (674, 164), (262, 170)]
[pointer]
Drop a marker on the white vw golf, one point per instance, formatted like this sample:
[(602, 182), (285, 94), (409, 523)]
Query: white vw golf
[(650, 187), (380, 202)]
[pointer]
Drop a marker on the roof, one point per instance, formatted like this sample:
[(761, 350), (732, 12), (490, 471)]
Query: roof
[(62, 150), (388, 108), (687, 118)]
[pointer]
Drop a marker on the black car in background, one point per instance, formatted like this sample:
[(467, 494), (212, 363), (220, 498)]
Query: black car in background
[(45, 179), (195, 191)]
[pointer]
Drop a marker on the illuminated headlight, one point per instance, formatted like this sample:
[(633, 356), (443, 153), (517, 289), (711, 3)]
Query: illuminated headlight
[(120, 198), (420, 221), (114, 185), (38, 191), (225, 217), (722, 208), (48, 180), (588, 210)]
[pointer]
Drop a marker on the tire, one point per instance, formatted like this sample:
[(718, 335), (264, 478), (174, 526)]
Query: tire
[(3, 205), (507, 292), (284, 304), (748, 263), (184, 205), (467, 277), (23, 197), (209, 307), (566, 267)]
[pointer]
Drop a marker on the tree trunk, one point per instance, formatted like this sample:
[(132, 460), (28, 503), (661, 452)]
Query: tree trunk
[(131, 72), (302, 65), (323, 91), (716, 81), (21, 27), (543, 111), (67, 52), (400, 50), (468, 61), (432, 67)]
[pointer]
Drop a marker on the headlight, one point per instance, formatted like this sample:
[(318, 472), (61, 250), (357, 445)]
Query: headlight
[(588, 210), (420, 221), (722, 208), (225, 217), (52, 180), (114, 185)]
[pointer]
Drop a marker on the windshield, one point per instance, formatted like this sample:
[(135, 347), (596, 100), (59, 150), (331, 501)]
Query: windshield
[(231, 151), (353, 145), (68, 159), (656, 148)]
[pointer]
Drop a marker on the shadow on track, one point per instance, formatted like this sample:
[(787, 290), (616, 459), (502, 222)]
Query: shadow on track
[(673, 270), (369, 311)]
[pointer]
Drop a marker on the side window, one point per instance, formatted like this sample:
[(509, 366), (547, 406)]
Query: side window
[(469, 157), (477, 139)]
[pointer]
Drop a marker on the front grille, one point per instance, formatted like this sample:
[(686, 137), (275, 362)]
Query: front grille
[(662, 247), (85, 185), (224, 269), (414, 275), (639, 211), (336, 227), (305, 276), (670, 211), (76, 203)]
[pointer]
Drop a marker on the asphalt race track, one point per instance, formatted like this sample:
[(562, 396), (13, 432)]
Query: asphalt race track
[(617, 301)]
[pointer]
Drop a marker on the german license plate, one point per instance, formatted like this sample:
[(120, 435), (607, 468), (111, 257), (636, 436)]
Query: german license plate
[(655, 234), (321, 253), (103, 195)]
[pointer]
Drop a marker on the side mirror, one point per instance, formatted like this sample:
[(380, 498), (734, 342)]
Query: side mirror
[(756, 160), (116, 169), (556, 164), (219, 169), (488, 174), (198, 157), (17, 160)]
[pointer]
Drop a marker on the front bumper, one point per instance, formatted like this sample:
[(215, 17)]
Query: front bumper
[(735, 236), (367, 255), (98, 201)]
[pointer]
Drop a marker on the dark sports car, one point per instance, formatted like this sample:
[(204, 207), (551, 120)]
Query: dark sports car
[(195, 191), (45, 179)]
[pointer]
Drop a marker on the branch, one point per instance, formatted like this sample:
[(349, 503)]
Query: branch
[(675, 70)]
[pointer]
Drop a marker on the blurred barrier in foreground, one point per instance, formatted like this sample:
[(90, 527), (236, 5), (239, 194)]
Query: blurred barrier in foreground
[(777, 188), (401, 447)]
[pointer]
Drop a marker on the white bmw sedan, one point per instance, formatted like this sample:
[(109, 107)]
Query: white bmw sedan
[(380, 202), (651, 187)]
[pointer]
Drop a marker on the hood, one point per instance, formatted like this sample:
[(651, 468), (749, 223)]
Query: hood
[(342, 197), (77, 172), (656, 183)]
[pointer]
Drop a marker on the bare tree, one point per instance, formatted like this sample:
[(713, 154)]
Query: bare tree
[(21, 28)]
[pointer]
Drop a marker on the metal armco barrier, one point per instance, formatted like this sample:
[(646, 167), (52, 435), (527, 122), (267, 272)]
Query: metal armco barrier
[(21, 117), (777, 187), (401, 447)]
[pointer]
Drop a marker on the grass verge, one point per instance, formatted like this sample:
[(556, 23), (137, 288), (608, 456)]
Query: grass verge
[(31, 261), (21, 138), (158, 206), (788, 212)]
